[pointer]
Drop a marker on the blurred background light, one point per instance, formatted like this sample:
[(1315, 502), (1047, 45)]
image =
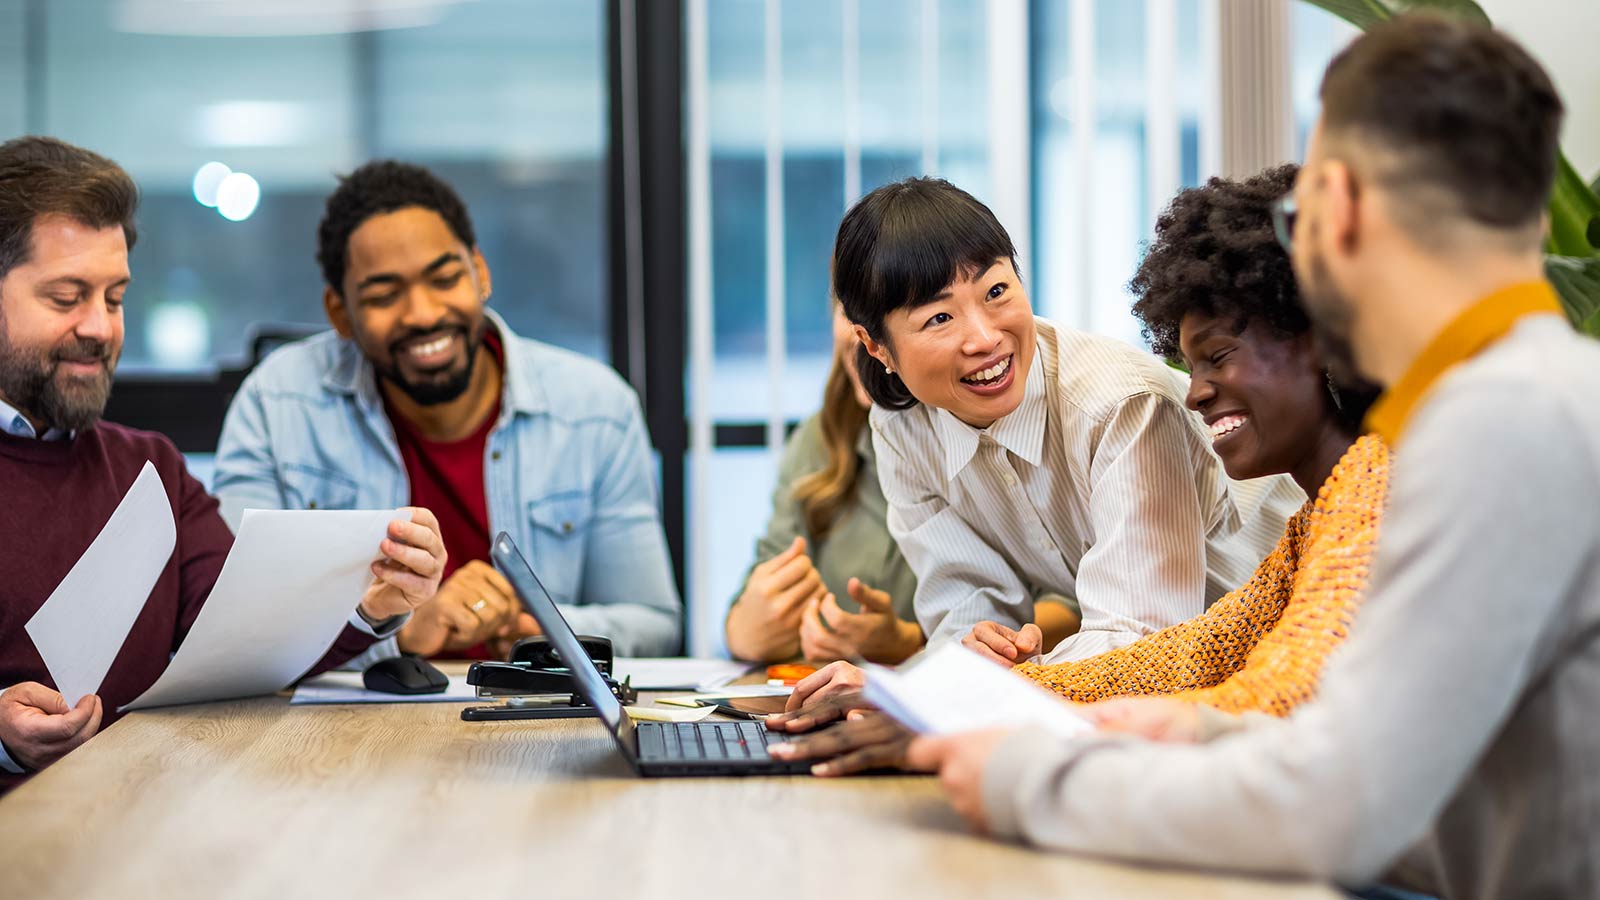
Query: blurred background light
[(179, 335), (237, 197), (206, 181), (252, 123)]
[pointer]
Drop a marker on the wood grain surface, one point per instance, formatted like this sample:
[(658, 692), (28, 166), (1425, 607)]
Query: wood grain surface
[(258, 799)]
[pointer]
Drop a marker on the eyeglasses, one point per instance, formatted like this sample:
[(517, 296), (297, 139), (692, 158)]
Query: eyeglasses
[(1284, 210)]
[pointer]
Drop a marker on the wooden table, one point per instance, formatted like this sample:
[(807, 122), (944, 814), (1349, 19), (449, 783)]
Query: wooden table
[(256, 798)]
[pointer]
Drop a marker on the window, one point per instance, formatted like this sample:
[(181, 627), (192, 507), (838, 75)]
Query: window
[(1096, 192), (809, 106), (505, 99)]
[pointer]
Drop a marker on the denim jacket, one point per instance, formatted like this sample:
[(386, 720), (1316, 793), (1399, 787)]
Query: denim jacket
[(567, 470)]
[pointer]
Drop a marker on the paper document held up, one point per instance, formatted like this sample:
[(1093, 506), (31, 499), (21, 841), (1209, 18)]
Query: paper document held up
[(289, 585), (82, 626), (952, 690)]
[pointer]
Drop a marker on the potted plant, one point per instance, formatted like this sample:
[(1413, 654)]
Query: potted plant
[(1572, 250)]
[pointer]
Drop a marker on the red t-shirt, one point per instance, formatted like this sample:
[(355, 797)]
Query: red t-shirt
[(447, 478)]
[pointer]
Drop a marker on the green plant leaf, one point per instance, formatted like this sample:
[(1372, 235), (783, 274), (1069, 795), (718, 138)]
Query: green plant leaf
[(1574, 213), (1577, 280), (1366, 13), (1594, 224)]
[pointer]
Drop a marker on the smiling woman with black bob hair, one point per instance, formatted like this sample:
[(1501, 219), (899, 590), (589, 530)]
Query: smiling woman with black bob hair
[(1019, 456), (1216, 294)]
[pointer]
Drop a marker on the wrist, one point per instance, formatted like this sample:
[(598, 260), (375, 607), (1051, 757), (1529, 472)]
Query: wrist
[(373, 619), (16, 760)]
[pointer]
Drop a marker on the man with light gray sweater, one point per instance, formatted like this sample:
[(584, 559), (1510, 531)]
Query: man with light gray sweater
[(1455, 744)]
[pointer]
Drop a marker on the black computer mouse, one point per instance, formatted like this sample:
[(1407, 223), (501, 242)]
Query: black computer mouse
[(404, 675)]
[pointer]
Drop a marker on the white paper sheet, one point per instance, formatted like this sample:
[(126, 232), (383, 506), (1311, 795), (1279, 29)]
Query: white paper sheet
[(679, 674), (662, 714), (347, 687), (288, 587), (952, 690), (80, 629)]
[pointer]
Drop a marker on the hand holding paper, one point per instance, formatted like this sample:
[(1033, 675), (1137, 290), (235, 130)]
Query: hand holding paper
[(38, 727), (964, 707), (285, 593), (413, 562), (960, 761)]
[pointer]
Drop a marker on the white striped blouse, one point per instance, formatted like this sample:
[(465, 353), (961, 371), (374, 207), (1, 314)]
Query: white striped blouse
[(1101, 485)]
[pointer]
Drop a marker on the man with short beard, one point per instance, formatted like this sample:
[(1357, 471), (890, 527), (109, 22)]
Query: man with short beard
[(66, 226), (422, 394), (1453, 746)]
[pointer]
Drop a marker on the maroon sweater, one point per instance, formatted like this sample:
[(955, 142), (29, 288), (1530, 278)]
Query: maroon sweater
[(55, 496)]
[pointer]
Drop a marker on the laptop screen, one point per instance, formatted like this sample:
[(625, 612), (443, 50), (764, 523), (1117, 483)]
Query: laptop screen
[(589, 681)]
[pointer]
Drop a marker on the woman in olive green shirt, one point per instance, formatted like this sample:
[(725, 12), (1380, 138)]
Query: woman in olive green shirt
[(829, 582)]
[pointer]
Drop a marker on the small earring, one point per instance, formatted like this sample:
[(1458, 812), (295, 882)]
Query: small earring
[(887, 370), (1333, 391)]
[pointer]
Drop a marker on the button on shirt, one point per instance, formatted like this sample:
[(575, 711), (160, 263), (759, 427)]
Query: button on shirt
[(1101, 485)]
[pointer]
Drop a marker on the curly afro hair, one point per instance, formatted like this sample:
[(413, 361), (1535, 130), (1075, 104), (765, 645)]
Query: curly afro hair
[(383, 186), (1215, 252)]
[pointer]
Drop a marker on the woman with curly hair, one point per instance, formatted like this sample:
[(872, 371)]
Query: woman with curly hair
[(1216, 292)]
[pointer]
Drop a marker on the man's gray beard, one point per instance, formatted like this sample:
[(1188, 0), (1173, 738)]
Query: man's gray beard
[(30, 384)]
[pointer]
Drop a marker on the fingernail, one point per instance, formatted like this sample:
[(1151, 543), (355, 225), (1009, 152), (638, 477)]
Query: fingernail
[(822, 769)]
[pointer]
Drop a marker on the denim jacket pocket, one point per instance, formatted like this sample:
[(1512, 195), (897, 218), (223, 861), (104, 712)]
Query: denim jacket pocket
[(306, 487), (561, 533)]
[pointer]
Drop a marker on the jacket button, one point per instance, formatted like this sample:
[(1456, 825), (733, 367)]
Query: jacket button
[(495, 456), (311, 505), (566, 527)]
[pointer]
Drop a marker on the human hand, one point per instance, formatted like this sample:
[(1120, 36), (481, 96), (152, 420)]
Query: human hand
[(1152, 718), (763, 622), (867, 739), (833, 678), (524, 626), (819, 711), (1005, 646), (828, 633), (960, 760), (408, 574), (474, 604), (38, 728)]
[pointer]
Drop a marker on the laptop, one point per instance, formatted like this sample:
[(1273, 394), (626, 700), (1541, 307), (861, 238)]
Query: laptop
[(653, 749)]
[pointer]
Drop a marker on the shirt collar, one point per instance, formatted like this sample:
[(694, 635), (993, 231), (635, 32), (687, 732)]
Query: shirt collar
[(1482, 324), (14, 423), (1021, 431), (521, 391)]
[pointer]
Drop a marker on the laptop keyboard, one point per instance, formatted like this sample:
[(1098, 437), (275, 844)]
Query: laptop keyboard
[(705, 740)]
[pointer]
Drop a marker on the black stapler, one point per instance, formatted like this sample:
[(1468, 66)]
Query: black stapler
[(538, 683)]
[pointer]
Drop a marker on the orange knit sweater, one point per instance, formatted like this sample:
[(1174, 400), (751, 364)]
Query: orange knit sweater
[(1262, 647)]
